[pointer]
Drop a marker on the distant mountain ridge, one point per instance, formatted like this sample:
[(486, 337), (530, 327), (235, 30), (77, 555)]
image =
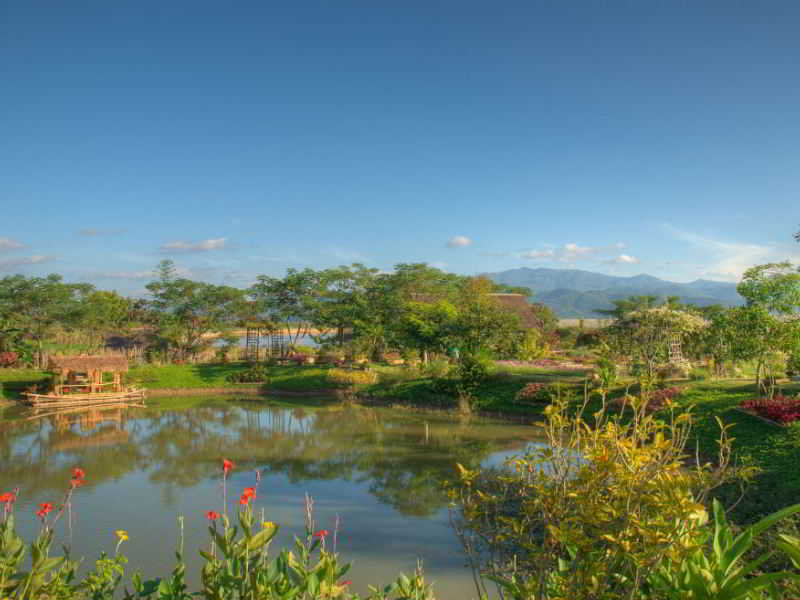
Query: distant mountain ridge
[(573, 293)]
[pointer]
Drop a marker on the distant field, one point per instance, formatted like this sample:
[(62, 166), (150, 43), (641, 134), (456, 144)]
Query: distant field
[(587, 323)]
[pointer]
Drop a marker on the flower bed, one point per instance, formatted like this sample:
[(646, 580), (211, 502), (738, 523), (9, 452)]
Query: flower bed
[(780, 409)]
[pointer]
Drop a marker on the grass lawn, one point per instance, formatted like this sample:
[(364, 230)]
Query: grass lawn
[(214, 375), (15, 381)]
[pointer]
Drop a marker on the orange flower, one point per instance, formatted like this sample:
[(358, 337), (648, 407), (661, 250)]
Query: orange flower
[(44, 508), (77, 473), (212, 515), (249, 492), (6, 498), (244, 500), (322, 533), (227, 465)]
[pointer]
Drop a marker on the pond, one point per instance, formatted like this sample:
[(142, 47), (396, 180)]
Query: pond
[(380, 471)]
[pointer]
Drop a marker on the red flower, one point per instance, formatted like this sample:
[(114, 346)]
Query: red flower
[(244, 500), (322, 533), (77, 473), (227, 465), (76, 482), (346, 582), (212, 515), (6, 498), (44, 508), (249, 493)]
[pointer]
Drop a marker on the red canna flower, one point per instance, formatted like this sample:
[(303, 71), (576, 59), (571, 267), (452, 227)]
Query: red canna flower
[(322, 533), (44, 508), (212, 515), (77, 473), (227, 465), (6, 498), (244, 500), (76, 482), (249, 492)]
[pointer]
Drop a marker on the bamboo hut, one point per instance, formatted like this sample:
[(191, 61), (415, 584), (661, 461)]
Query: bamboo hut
[(82, 381)]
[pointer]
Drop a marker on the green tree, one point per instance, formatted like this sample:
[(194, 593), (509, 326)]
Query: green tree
[(186, 311), (35, 306), (773, 286), (292, 301)]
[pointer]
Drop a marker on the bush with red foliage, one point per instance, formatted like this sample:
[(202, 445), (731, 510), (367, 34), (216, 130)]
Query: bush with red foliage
[(780, 408), (8, 359)]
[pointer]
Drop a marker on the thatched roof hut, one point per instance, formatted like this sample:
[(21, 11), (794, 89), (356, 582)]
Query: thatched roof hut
[(87, 364)]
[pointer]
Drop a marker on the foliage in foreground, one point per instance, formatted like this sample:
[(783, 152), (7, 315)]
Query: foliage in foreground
[(611, 509), (237, 563)]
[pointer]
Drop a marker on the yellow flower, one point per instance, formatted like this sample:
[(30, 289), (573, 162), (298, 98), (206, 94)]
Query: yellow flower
[(122, 535), (268, 525)]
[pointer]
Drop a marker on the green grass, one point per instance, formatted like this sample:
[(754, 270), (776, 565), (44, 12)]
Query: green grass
[(15, 381), (213, 375), (774, 450)]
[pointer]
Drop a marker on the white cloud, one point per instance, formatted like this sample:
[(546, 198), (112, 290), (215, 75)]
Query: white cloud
[(570, 253), (24, 261), (623, 259), (458, 241), (728, 260), (538, 254), (123, 275), (9, 244), (204, 246)]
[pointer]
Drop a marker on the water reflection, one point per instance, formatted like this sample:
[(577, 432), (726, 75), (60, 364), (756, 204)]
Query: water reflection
[(380, 470)]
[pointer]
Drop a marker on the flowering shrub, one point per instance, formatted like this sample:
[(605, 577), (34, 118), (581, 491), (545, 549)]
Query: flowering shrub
[(781, 409), (255, 374), (348, 378), (237, 562), (537, 393), (8, 359)]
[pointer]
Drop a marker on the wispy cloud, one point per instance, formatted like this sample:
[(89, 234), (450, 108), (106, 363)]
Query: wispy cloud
[(623, 259), (24, 261), (570, 253), (9, 244), (728, 260), (90, 232), (459, 241), (203, 246)]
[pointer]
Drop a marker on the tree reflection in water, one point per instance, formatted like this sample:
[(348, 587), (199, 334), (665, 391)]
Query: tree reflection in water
[(179, 443)]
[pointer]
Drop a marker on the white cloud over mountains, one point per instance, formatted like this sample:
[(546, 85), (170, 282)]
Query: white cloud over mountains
[(728, 260), (570, 253), (203, 246)]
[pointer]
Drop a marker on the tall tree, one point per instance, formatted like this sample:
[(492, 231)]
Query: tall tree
[(186, 311), (292, 301), (37, 305)]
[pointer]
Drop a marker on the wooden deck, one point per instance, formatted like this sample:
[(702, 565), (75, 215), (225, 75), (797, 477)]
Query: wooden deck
[(91, 399)]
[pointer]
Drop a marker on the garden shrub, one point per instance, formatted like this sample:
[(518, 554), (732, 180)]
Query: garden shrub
[(699, 374), (599, 512), (535, 393), (349, 380), (255, 374), (437, 369), (672, 371)]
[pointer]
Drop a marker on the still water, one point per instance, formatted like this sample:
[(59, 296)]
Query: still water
[(380, 471)]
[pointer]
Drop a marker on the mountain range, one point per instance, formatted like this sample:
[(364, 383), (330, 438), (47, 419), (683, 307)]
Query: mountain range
[(573, 293)]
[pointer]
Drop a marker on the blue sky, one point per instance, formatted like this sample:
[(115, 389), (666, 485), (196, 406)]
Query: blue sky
[(248, 137)]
